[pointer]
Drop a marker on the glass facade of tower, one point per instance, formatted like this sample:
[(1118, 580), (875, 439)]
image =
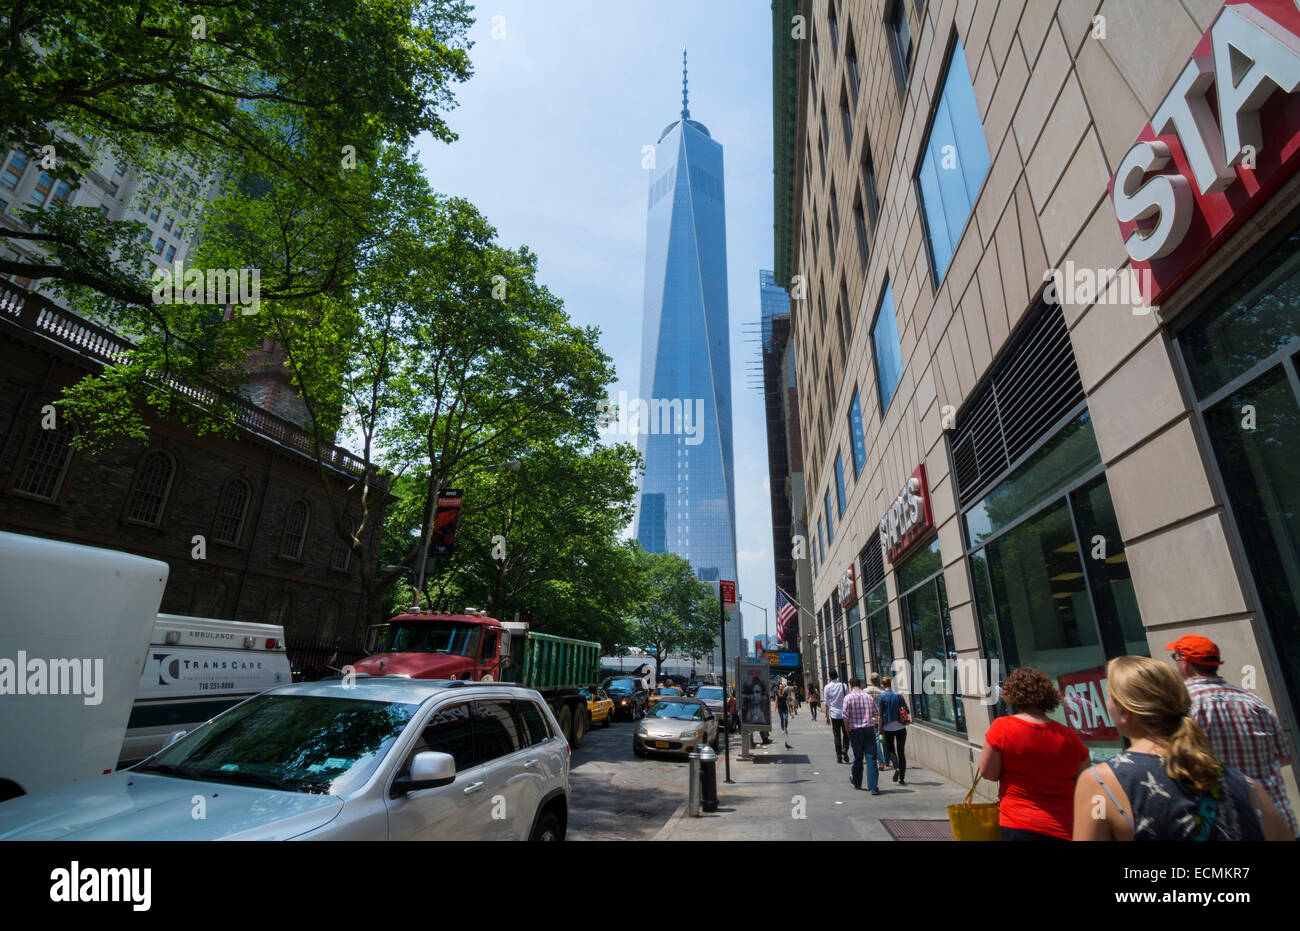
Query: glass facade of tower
[(687, 503)]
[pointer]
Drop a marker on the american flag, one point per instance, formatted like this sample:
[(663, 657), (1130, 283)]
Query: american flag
[(785, 612)]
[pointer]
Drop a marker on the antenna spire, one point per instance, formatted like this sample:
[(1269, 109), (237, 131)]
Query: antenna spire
[(686, 110)]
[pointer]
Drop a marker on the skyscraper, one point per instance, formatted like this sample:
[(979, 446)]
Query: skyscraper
[(687, 504), (777, 382)]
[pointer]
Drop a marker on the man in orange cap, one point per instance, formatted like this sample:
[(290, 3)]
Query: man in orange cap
[(1244, 732)]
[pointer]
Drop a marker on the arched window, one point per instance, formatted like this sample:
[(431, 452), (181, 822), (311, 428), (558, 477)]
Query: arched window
[(232, 508), (295, 530), (341, 556), (210, 598), (153, 482), (278, 608), (329, 621), (46, 463)]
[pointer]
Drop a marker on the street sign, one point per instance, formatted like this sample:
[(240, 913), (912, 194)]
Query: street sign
[(728, 592)]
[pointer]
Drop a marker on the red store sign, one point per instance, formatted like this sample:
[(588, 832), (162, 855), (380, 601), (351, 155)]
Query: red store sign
[(1083, 699), (1225, 138), (848, 587), (908, 518)]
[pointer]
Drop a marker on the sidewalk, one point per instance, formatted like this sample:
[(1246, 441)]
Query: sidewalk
[(764, 801)]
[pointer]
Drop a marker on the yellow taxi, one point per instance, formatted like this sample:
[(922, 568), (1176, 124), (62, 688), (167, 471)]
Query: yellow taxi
[(600, 706), (665, 691)]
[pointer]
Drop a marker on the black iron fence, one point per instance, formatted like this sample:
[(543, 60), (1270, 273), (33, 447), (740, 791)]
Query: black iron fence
[(312, 660)]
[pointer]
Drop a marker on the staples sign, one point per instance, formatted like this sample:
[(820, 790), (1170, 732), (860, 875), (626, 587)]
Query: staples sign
[(1225, 137), (848, 587), (908, 518)]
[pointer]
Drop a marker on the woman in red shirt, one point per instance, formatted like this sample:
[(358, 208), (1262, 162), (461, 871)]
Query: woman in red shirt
[(1035, 761)]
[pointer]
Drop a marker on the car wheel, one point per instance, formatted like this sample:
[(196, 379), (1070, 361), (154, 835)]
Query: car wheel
[(609, 719), (638, 750), (565, 720), (548, 828), (579, 728)]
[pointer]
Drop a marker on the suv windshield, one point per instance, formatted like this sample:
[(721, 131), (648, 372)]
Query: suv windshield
[(621, 685), (677, 709), (299, 743), (455, 639), (713, 693)]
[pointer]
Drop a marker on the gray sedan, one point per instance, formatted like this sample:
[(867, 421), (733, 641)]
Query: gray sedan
[(711, 695)]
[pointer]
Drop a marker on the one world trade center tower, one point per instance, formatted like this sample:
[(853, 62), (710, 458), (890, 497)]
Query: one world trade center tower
[(687, 503)]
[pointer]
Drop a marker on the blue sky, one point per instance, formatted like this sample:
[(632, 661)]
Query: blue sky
[(552, 126)]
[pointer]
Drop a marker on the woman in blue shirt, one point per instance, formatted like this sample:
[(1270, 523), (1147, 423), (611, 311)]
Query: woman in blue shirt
[(892, 708)]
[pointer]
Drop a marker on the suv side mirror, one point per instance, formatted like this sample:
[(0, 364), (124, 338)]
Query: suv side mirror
[(429, 770)]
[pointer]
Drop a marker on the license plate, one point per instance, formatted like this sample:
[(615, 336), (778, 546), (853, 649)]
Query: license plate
[(662, 743)]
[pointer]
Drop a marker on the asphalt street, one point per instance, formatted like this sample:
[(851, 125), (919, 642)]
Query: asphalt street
[(617, 796)]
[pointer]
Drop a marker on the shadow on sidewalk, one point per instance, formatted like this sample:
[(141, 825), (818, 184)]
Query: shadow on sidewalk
[(782, 758)]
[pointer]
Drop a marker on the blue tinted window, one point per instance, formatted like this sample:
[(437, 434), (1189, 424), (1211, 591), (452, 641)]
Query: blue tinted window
[(954, 161), (859, 446), (889, 354), (839, 482), (821, 550), (830, 521)]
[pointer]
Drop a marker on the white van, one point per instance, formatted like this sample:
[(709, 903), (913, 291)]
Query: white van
[(74, 621), (196, 668)]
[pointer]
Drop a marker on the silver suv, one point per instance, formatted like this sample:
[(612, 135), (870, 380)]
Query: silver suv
[(382, 758)]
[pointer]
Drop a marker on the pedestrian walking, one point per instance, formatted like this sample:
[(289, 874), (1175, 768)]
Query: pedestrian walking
[(783, 708), (792, 699), (833, 696), (1242, 730), (894, 718), (1167, 785), (814, 699), (860, 717), (873, 689), (733, 711), (1035, 761)]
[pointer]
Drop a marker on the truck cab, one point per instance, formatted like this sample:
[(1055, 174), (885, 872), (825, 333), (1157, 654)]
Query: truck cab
[(439, 646)]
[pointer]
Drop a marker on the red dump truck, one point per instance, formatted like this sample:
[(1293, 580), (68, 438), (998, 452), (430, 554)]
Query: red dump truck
[(475, 646)]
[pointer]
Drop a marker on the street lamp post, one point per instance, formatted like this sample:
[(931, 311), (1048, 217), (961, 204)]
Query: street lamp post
[(764, 610), (512, 464)]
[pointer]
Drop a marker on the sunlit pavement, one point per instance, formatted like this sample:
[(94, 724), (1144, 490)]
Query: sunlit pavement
[(801, 793)]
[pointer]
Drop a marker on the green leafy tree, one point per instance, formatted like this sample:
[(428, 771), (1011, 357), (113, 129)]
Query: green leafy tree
[(281, 95), (541, 540), (679, 611)]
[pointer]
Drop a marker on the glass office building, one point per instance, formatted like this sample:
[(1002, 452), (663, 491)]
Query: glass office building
[(687, 502)]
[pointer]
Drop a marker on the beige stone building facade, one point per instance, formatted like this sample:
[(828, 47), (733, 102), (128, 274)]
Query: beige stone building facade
[(1060, 476)]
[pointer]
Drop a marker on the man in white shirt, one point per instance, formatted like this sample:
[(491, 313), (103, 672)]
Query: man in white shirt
[(833, 696)]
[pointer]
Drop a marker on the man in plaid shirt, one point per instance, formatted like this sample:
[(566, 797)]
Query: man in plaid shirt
[(1244, 732), (861, 715)]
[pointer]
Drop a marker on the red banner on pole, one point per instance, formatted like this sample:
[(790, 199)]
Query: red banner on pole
[(728, 591), (442, 538)]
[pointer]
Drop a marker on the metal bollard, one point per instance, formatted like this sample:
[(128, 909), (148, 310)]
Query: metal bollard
[(693, 796), (709, 779)]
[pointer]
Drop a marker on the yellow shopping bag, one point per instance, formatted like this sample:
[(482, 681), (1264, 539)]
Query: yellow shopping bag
[(978, 821)]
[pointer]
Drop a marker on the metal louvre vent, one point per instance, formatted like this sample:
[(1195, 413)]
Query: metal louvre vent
[(1035, 384), (872, 561)]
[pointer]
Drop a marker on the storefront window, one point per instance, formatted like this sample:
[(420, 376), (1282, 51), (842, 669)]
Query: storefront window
[(855, 643), (1051, 579), (1066, 457), (1241, 355), (881, 643), (924, 603)]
